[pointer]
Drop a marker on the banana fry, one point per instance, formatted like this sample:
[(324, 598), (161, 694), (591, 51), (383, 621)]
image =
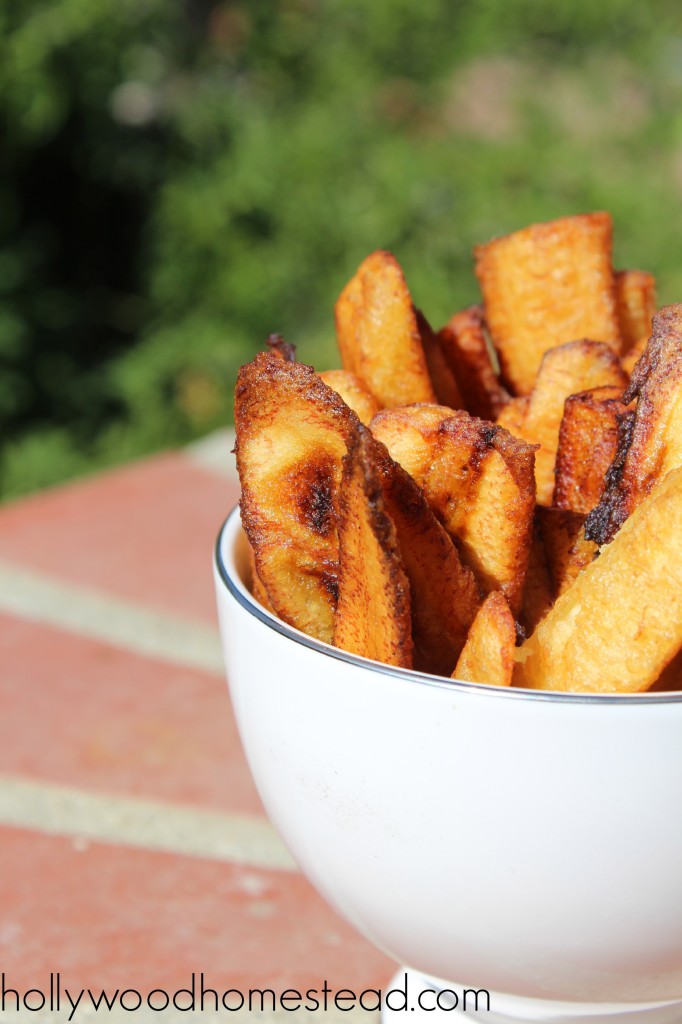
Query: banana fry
[(588, 441), (465, 348), (546, 285), (620, 623), (378, 334), (488, 655), (354, 393), (292, 434), (563, 372), (444, 594), (650, 437), (635, 304), (373, 612), (478, 480)]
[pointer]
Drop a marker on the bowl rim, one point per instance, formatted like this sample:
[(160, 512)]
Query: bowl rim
[(230, 577)]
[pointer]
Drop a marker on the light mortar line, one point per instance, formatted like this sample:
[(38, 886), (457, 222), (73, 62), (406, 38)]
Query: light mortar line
[(89, 612), (146, 824), (214, 453)]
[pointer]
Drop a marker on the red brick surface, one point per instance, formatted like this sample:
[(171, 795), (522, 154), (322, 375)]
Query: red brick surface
[(109, 916), (144, 532), (84, 714), (80, 713)]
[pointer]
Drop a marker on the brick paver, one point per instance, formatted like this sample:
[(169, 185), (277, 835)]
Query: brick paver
[(117, 917), (144, 532), (110, 754), (83, 713)]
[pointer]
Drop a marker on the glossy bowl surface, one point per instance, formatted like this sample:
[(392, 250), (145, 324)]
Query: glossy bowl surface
[(526, 842)]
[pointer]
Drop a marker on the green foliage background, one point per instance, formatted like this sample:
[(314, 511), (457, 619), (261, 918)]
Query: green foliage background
[(177, 182)]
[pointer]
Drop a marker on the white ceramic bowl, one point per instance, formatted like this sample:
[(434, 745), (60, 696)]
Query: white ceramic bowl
[(528, 843)]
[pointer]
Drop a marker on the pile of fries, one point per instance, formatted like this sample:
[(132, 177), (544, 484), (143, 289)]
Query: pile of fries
[(499, 501)]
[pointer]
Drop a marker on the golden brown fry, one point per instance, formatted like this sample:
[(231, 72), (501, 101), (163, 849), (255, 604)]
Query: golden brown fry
[(378, 334), (513, 416), (292, 434), (635, 305), (620, 623), (465, 348), (478, 480), (444, 595), (488, 655), (568, 552), (650, 437), (492, 521), (373, 612), (588, 439), (538, 590), (412, 434), (354, 393), (279, 347), (257, 588), (671, 676), (546, 285), (631, 358), (564, 371), (444, 380)]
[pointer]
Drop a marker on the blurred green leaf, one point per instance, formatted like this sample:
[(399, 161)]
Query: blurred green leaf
[(180, 180)]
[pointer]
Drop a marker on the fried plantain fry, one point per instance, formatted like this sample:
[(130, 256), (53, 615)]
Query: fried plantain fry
[(378, 333), (373, 612), (588, 440), (444, 380), (671, 676), (444, 594), (488, 655), (564, 371), (491, 521), (478, 479), (546, 285), (631, 358), (620, 623), (568, 551), (635, 305), (513, 415), (257, 586), (538, 590), (279, 347), (650, 436), (292, 434), (411, 435), (353, 392), (465, 349)]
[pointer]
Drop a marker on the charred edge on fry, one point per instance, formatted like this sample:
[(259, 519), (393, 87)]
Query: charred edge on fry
[(604, 521), (280, 347), (382, 523), (314, 486), (330, 581)]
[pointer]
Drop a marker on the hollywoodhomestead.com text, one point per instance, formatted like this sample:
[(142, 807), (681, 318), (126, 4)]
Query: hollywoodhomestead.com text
[(56, 996)]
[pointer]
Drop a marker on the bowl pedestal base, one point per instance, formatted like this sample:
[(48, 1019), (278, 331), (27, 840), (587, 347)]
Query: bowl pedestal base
[(440, 1001)]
